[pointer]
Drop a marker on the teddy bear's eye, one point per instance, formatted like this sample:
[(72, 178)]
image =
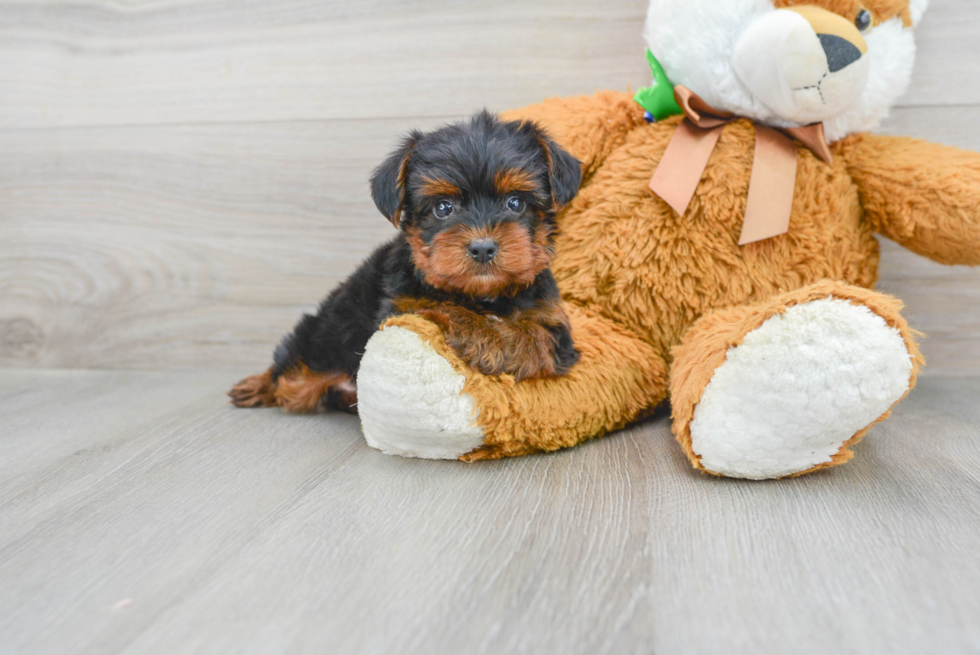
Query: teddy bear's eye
[(864, 20)]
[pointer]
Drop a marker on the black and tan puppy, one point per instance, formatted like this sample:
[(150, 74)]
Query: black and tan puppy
[(475, 204)]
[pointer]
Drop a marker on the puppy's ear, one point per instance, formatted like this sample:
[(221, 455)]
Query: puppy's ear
[(565, 173), (388, 180)]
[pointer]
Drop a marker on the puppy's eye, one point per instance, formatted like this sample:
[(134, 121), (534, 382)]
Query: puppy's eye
[(444, 209), (863, 20), (515, 204)]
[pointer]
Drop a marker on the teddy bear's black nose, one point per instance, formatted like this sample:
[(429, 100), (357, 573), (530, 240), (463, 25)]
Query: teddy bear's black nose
[(483, 250), (841, 53)]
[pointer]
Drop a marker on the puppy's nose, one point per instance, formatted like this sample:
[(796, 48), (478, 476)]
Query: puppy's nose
[(482, 250), (841, 53)]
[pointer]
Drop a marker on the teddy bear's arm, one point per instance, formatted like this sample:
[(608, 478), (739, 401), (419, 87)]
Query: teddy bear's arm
[(923, 195), (589, 127)]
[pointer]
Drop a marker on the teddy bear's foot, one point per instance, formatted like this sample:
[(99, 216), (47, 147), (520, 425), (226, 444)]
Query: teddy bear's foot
[(411, 400), (417, 398), (786, 387)]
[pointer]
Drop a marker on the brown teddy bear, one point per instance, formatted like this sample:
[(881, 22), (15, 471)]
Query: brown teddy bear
[(723, 257)]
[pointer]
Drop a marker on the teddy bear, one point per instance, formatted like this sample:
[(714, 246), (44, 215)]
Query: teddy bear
[(720, 253)]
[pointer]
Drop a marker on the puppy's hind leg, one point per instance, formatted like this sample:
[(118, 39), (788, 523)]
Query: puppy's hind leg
[(314, 366), (302, 391), (298, 390), (255, 391)]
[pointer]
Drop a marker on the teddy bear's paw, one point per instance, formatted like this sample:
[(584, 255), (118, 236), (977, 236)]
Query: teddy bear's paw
[(792, 396), (411, 401)]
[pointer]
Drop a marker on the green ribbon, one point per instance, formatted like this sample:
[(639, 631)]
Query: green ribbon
[(659, 98)]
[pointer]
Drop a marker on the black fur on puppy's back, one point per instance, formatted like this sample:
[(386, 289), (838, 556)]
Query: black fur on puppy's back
[(335, 337)]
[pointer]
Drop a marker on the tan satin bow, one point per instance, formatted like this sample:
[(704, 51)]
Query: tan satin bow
[(773, 180)]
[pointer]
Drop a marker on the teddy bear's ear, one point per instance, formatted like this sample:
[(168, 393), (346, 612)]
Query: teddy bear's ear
[(565, 173), (388, 180), (918, 10)]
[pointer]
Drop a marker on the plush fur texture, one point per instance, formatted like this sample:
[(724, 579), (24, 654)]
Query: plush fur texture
[(408, 393), (637, 277), (661, 303), (697, 43), (790, 384), (475, 203), (797, 388), (607, 388)]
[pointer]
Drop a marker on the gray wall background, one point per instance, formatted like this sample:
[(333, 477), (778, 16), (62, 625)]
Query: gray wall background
[(179, 179)]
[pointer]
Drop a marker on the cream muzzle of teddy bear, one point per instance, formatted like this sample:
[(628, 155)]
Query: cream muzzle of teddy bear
[(805, 63)]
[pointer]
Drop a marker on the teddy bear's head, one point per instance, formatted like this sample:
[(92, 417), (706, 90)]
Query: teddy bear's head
[(788, 63)]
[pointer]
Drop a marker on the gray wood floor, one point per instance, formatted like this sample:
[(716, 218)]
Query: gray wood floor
[(180, 179), (139, 514)]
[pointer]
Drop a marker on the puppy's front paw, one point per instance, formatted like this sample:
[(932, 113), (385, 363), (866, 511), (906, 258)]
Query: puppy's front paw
[(536, 351), (481, 352), (472, 336), (564, 354), (493, 346)]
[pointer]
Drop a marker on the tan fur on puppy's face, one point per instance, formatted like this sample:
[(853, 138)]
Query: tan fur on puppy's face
[(447, 265), (515, 179), (882, 10), (434, 188)]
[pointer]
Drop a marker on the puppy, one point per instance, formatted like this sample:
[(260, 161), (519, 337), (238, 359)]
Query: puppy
[(475, 206)]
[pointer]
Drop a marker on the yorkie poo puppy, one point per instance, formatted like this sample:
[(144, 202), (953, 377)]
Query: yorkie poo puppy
[(475, 206)]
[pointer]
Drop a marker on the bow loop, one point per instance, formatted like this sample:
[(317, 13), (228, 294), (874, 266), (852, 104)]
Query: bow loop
[(698, 111), (813, 137), (771, 187)]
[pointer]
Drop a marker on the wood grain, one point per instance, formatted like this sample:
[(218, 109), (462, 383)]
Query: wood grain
[(105, 63), (177, 246), (180, 179), (947, 56), (215, 185), (139, 514), (66, 63), (200, 245)]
